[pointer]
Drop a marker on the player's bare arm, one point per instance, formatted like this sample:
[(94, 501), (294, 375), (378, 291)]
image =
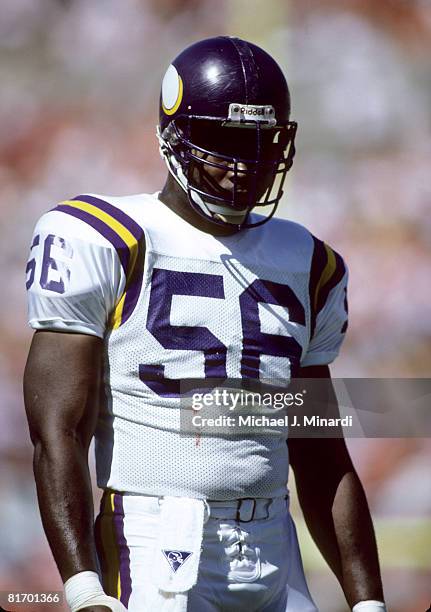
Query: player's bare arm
[(61, 387), (191, 283), (335, 507)]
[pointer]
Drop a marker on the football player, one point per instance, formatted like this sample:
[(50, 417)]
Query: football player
[(132, 296)]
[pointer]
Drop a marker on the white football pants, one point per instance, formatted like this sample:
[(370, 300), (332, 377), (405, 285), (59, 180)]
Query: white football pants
[(250, 566)]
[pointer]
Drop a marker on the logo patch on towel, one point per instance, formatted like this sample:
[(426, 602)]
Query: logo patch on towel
[(176, 558)]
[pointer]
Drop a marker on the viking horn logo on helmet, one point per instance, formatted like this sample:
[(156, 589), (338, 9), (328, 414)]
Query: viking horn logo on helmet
[(172, 91), (225, 104)]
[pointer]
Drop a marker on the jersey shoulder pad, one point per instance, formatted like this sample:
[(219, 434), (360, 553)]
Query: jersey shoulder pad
[(111, 222)]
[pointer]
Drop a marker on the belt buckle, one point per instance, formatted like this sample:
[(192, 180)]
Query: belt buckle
[(240, 510)]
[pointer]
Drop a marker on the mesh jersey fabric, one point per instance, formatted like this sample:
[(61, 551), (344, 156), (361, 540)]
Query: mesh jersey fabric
[(174, 303)]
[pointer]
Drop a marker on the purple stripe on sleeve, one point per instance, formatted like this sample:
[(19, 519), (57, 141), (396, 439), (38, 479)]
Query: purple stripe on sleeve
[(339, 272), (131, 299), (117, 242), (123, 550), (135, 229), (134, 287), (134, 277), (318, 263)]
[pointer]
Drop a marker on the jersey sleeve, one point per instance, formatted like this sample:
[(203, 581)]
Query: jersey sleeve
[(328, 305), (74, 276)]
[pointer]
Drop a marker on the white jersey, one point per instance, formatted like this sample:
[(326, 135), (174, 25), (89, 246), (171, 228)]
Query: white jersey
[(175, 303)]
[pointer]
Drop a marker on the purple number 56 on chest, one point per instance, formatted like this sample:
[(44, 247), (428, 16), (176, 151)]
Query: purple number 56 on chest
[(266, 311)]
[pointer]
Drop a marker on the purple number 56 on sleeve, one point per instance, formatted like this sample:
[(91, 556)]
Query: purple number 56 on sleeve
[(54, 269)]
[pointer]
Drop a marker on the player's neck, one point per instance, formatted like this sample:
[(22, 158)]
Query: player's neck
[(175, 198)]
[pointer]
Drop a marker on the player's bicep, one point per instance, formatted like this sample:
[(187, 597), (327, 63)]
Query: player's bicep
[(61, 386)]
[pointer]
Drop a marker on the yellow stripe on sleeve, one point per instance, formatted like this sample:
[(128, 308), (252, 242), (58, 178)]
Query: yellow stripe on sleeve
[(125, 235), (117, 569), (118, 312), (328, 271), (115, 225)]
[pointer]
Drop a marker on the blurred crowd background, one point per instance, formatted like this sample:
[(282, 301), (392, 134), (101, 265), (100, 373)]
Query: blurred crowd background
[(78, 109)]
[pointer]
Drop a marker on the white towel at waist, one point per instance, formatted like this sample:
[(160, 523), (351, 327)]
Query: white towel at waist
[(179, 544)]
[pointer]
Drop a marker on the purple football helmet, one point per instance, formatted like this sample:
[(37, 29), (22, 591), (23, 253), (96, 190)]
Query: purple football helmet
[(225, 106)]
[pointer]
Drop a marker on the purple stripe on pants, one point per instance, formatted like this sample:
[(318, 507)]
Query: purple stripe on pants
[(123, 550)]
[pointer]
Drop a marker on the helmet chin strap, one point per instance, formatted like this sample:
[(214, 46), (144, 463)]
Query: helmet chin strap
[(216, 208)]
